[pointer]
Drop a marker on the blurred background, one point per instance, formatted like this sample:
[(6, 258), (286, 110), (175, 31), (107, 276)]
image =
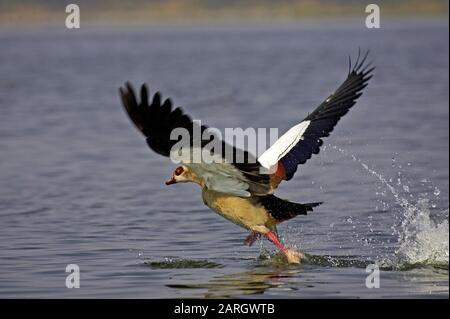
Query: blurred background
[(41, 12), (78, 184)]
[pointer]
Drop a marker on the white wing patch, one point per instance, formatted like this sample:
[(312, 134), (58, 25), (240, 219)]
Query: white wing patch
[(283, 145)]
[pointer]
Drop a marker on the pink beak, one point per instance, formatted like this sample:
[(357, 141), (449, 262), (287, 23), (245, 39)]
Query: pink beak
[(171, 181)]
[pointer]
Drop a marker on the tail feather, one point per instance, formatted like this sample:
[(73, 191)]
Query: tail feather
[(282, 209)]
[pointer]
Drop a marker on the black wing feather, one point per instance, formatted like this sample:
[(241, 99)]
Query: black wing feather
[(156, 121), (325, 117)]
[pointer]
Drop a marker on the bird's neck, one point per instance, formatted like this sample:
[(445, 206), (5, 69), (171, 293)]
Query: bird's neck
[(197, 180)]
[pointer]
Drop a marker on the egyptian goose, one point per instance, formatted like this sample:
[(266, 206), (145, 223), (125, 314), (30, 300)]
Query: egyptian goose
[(242, 191)]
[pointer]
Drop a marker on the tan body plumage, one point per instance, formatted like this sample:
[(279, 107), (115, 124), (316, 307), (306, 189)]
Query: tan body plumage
[(243, 211), (248, 213)]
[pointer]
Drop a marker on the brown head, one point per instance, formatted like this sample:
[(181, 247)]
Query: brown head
[(182, 174)]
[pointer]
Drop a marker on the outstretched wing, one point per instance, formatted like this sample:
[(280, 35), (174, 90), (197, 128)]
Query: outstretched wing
[(298, 144), (158, 120)]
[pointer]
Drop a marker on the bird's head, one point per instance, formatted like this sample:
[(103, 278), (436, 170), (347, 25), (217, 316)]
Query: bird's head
[(181, 174)]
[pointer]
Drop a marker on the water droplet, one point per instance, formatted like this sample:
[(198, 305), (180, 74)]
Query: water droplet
[(406, 188), (436, 191)]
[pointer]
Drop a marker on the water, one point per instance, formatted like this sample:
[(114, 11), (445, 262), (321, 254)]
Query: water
[(79, 186)]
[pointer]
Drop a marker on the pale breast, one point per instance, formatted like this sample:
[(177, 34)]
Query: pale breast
[(239, 210)]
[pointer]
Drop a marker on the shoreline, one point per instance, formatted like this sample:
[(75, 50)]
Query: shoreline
[(182, 14)]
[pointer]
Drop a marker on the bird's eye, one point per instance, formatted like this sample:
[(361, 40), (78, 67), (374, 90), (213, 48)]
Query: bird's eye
[(178, 171)]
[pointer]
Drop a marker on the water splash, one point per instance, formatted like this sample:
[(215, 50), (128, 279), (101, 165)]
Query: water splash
[(422, 241)]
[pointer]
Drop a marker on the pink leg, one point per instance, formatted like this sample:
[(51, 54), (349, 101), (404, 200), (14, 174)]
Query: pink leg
[(293, 257), (251, 238), (274, 239)]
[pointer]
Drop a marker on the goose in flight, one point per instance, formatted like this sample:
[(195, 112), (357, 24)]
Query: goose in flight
[(242, 190)]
